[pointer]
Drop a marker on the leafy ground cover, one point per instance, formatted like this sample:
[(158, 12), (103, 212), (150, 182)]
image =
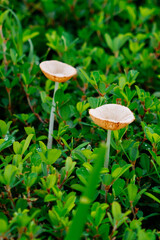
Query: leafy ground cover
[(56, 193)]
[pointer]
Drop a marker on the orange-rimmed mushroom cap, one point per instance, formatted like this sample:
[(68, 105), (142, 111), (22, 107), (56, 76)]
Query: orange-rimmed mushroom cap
[(57, 71), (112, 116)]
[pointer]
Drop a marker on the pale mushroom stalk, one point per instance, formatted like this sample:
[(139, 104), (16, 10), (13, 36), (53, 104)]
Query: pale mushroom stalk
[(106, 163), (51, 120), (57, 72)]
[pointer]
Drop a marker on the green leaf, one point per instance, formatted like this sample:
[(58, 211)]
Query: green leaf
[(53, 155), (82, 106), (42, 146), (10, 174), (132, 192), (88, 166), (120, 93), (26, 143), (132, 14), (59, 96), (3, 16), (78, 187), (50, 198), (65, 143), (116, 211), (145, 161), (70, 201), (28, 155), (156, 138), (13, 55), (119, 41), (93, 102), (29, 130), (133, 151), (118, 186), (82, 145), (138, 91), (146, 13), (152, 196), (36, 159), (158, 160), (149, 133), (120, 171), (96, 102), (30, 179), (3, 226), (84, 76), (17, 147), (69, 165), (18, 44), (102, 87), (131, 76), (21, 204), (148, 102), (95, 75), (135, 46), (65, 112), (100, 214), (109, 41), (49, 182), (82, 174), (54, 217), (129, 235), (122, 82), (107, 179), (7, 143), (29, 35), (3, 128), (79, 106), (78, 154), (104, 230), (43, 157)]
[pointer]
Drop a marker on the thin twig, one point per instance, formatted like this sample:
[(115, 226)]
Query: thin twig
[(30, 105), (35, 114), (9, 99)]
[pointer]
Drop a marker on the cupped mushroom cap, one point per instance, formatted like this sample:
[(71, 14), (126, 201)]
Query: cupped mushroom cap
[(112, 116), (57, 71)]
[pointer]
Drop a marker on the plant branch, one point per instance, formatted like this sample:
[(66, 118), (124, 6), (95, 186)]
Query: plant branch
[(35, 114)]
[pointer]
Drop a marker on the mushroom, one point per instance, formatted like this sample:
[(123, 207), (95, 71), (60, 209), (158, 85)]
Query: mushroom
[(58, 72), (111, 117)]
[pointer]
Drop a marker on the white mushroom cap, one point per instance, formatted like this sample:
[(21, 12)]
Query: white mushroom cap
[(57, 71), (112, 116)]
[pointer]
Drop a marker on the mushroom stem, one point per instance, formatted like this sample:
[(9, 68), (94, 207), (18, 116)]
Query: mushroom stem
[(106, 163), (51, 120)]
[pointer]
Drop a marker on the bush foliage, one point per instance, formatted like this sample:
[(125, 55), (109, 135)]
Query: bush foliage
[(56, 193)]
